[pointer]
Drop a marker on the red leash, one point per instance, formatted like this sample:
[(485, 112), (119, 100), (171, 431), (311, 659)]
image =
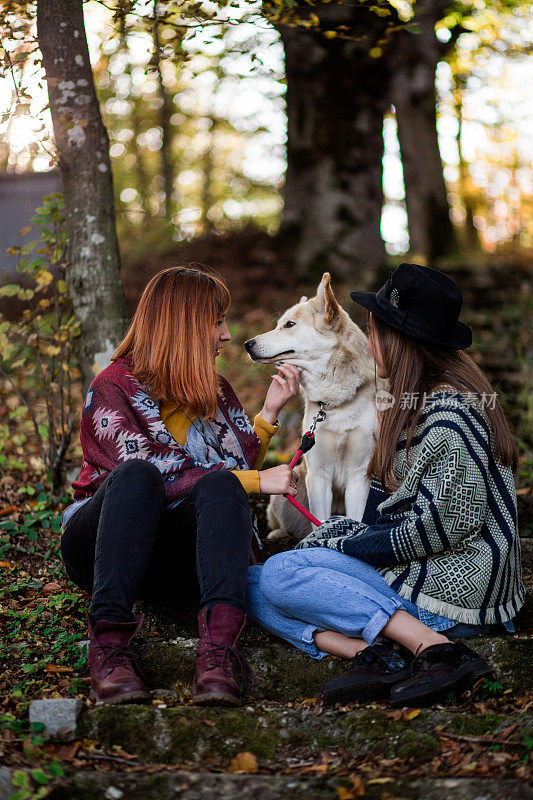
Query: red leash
[(308, 441)]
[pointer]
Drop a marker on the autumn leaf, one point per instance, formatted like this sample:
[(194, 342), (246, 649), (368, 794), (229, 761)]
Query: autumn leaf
[(6, 511), (57, 668), (68, 752), (316, 768), (357, 790), (48, 588), (244, 762), (345, 794)]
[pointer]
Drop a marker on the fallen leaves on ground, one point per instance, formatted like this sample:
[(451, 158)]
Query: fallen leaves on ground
[(244, 763), (357, 789)]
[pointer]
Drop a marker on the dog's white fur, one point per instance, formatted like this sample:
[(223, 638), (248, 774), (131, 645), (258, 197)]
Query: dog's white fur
[(336, 369)]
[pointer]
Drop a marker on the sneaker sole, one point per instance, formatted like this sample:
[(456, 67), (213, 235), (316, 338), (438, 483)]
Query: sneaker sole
[(465, 677), (363, 692)]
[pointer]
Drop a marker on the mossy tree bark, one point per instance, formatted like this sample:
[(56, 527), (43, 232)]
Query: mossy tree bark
[(337, 95), (82, 142), (431, 232)]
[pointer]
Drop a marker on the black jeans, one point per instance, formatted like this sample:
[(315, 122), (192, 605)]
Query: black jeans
[(124, 543)]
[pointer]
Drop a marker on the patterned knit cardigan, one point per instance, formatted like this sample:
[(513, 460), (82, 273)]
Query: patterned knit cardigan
[(447, 538), (120, 421)]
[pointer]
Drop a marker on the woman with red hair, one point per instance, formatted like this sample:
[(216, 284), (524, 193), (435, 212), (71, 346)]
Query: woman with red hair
[(169, 458)]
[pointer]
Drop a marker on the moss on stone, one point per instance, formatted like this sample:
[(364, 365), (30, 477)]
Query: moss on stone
[(166, 664), (185, 734), (516, 656), (368, 726), (470, 725), (131, 727), (511, 659), (418, 746), (283, 675), (280, 673), (236, 731)]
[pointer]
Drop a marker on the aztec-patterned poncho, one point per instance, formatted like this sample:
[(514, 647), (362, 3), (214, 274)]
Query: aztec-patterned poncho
[(120, 421), (447, 538)]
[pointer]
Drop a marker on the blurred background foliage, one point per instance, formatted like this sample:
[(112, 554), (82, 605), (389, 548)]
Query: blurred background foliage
[(194, 97)]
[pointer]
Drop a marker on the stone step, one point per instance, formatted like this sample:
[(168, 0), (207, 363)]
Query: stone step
[(282, 738), (279, 673), (92, 785), (283, 673)]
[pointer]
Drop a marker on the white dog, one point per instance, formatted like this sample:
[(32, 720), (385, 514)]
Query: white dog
[(337, 370)]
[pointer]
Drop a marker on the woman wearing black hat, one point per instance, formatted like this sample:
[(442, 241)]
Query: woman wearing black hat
[(436, 555)]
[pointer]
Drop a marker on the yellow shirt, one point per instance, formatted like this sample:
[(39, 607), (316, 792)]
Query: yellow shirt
[(178, 419)]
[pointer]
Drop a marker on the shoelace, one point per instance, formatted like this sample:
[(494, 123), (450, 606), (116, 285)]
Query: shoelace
[(224, 655), (115, 655), (446, 657), (391, 661)]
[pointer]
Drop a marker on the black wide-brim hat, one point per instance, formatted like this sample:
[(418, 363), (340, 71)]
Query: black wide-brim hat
[(421, 302)]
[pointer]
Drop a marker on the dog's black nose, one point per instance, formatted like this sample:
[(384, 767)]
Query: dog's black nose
[(249, 345)]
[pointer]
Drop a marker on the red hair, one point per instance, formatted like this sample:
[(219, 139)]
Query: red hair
[(170, 337)]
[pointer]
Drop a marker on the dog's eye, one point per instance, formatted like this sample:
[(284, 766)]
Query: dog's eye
[(289, 324)]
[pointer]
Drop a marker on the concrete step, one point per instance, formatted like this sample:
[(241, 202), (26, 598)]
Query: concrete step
[(282, 673), (173, 785), (281, 737)]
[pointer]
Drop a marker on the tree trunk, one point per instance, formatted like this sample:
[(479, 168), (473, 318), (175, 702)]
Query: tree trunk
[(336, 98), (165, 113), (431, 231), (93, 276), (142, 178), (471, 242)]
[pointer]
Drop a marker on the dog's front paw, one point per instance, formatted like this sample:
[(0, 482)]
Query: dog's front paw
[(278, 534)]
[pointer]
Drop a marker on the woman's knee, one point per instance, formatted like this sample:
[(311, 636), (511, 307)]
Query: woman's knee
[(140, 472), (277, 575), (221, 483)]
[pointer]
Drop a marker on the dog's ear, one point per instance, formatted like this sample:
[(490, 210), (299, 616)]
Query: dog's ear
[(303, 299), (325, 300)]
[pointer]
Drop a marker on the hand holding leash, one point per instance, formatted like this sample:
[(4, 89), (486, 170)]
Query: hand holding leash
[(278, 480), (308, 441)]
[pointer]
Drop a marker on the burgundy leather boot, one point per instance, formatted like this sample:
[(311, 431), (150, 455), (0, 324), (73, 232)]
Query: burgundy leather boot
[(115, 674), (221, 671)]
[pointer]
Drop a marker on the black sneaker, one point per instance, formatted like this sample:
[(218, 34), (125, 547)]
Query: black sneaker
[(369, 675), (438, 670)]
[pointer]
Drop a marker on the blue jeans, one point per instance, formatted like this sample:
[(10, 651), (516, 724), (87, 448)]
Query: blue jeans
[(299, 592)]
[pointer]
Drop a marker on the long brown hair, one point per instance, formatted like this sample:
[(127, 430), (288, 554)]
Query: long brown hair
[(170, 337), (415, 367)]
